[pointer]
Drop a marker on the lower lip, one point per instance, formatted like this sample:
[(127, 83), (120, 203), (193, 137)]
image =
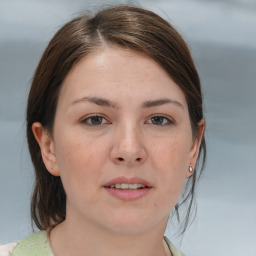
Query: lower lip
[(128, 195)]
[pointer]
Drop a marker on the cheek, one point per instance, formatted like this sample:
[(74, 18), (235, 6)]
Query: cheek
[(80, 160), (171, 159), (171, 153)]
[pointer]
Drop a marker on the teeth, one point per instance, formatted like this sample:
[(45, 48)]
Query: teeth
[(127, 186)]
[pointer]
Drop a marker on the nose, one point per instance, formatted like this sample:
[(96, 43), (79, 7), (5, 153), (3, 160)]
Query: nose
[(128, 149)]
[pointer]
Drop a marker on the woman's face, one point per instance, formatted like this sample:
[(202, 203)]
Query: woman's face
[(121, 119)]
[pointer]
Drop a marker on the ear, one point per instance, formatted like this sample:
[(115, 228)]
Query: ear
[(46, 143), (196, 146)]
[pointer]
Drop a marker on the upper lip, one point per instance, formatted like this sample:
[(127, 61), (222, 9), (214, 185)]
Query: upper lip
[(125, 180)]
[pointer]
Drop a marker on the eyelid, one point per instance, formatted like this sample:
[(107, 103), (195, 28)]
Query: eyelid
[(169, 119), (85, 118)]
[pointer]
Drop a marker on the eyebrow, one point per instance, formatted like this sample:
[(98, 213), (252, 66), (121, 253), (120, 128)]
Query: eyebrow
[(96, 100), (159, 102), (107, 103)]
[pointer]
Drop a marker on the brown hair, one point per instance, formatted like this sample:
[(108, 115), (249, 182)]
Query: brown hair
[(127, 26)]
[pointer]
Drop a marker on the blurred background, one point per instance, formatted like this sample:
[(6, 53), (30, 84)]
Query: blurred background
[(222, 38)]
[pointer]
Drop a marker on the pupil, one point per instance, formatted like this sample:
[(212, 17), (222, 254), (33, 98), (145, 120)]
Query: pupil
[(96, 120), (157, 120)]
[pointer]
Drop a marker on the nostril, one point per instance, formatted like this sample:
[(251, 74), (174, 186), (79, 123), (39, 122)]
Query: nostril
[(137, 160)]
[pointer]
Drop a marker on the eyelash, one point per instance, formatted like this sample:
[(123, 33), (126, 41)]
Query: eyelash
[(168, 121), (85, 121)]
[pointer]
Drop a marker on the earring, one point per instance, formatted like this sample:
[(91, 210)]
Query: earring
[(190, 169)]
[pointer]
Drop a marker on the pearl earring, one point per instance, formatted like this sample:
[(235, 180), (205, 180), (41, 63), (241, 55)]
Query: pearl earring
[(190, 169)]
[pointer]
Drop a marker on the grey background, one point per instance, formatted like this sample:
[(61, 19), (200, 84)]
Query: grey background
[(222, 38)]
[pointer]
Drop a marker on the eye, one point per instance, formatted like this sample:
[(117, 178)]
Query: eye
[(94, 120), (160, 120)]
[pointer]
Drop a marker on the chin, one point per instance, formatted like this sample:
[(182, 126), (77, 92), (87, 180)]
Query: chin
[(132, 223)]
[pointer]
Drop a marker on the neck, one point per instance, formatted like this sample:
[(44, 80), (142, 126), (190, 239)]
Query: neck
[(82, 239)]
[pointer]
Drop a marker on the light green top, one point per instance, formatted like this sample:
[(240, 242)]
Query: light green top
[(38, 245), (34, 245)]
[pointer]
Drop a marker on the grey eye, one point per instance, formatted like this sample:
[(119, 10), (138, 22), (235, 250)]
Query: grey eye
[(96, 120), (160, 120)]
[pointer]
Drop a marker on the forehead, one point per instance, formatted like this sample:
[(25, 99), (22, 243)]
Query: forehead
[(120, 74)]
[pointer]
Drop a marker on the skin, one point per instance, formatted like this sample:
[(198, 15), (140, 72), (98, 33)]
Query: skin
[(127, 141)]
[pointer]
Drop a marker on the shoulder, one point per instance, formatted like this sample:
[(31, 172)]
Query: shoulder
[(173, 249), (5, 250), (36, 244)]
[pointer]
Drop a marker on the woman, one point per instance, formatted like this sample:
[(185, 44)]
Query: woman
[(115, 129)]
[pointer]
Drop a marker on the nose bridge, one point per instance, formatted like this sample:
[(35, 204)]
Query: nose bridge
[(129, 147)]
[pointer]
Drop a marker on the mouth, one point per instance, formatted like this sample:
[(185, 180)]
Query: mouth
[(125, 183), (125, 186), (128, 188)]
